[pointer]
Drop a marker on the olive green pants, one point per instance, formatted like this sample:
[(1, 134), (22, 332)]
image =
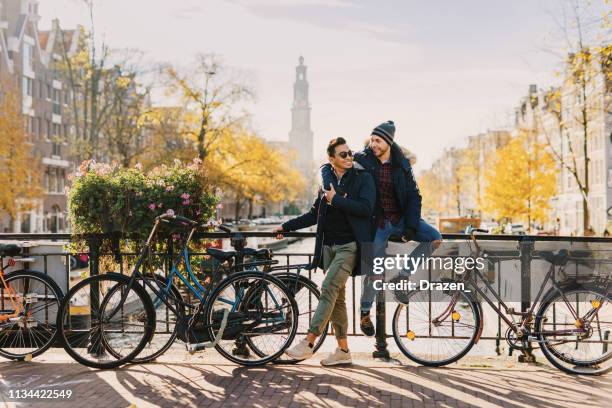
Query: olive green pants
[(338, 261)]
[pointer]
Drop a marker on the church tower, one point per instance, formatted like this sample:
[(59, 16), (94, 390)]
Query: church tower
[(300, 136)]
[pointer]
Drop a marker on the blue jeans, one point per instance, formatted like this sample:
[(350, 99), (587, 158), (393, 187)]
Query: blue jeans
[(425, 234)]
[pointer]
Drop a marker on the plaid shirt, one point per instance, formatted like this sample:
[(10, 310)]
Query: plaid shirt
[(388, 200)]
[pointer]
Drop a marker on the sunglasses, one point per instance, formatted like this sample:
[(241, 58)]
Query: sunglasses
[(346, 154)]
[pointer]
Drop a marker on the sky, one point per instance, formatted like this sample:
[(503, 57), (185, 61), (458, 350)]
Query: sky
[(441, 70)]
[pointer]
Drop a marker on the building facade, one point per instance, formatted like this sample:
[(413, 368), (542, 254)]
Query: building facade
[(564, 118), (27, 58)]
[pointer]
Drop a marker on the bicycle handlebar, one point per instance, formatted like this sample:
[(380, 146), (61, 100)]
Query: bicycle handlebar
[(178, 218)]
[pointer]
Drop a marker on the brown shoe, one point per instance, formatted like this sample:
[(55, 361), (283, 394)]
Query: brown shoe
[(367, 327)]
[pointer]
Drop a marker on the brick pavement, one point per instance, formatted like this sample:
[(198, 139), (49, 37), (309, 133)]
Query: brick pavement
[(206, 380)]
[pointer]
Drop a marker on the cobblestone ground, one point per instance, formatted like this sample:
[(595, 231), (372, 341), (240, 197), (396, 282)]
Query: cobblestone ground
[(206, 380)]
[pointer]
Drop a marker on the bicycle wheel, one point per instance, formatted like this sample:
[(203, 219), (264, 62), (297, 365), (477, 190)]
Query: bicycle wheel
[(582, 346), (166, 327), (306, 294), (34, 330), (261, 310), (435, 328), (103, 324)]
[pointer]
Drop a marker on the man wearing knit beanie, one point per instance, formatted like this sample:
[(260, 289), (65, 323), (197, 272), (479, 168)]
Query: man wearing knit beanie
[(398, 206), (386, 131)]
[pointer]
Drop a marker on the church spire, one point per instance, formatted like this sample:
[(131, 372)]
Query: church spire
[(300, 136)]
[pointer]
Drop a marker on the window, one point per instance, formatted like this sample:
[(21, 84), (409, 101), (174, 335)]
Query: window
[(28, 56), (61, 181), (39, 128), (52, 180), (56, 219), (41, 89), (57, 109), (56, 149), (48, 132), (27, 86), (25, 222), (30, 125)]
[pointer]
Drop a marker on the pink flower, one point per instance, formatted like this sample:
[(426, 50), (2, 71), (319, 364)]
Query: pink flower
[(170, 211), (186, 202), (152, 206), (185, 196)]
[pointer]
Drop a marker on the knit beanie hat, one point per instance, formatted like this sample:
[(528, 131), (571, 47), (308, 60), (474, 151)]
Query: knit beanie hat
[(386, 131)]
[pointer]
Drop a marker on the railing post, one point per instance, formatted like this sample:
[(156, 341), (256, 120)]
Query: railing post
[(526, 250), (381, 329), (94, 242)]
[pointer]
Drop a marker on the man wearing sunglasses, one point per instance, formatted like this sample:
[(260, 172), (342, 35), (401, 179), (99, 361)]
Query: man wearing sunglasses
[(397, 210), (343, 225)]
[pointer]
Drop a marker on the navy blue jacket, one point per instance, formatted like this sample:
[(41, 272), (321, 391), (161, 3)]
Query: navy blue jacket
[(406, 189), (358, 205)]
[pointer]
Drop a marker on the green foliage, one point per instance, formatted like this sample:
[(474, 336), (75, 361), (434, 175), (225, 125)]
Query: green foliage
[(107, 198)]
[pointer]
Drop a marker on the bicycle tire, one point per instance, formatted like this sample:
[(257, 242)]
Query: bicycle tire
[(57, 295), (231, 280), (398, 336), (148, 319), (150, 352), (557, 358)]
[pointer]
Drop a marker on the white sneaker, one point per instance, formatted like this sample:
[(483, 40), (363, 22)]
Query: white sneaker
[(300, 351), (337, 357)]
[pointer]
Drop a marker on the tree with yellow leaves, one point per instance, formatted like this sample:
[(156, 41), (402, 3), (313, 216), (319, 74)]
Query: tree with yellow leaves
[(249, 170), (521, 181), (212, 96), (19, 170)]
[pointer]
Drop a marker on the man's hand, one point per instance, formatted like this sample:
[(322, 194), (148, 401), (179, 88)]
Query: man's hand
[(329, 194), (409, 234), (279, 232)]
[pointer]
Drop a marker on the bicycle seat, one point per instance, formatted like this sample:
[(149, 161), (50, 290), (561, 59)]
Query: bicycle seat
[(9, 250), (558, 258), (220, 254), (264, 253)]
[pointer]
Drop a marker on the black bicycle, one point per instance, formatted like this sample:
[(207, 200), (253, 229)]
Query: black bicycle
[(124, 311)]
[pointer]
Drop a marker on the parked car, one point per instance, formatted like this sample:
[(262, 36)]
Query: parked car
[(515, 229)]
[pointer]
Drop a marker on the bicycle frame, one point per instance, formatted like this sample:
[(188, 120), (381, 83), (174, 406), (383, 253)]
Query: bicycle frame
[(520, 327), (12, 296), (198, 289)]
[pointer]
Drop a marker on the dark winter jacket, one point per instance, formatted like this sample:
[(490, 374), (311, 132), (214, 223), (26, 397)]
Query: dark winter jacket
[(358, 205)]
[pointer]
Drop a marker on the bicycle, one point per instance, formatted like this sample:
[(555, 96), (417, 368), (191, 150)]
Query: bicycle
[(123, 311), (29, 301), (572, 325), (303, 289)]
